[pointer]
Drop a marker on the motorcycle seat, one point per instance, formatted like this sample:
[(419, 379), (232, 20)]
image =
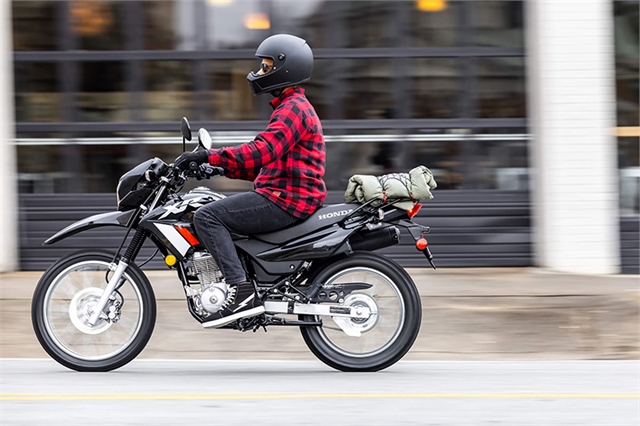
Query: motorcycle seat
[(322, 218)]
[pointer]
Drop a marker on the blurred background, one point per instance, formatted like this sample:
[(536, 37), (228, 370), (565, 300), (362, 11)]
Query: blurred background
[(100, 86)]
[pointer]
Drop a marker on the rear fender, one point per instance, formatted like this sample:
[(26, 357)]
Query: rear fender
[(103, 219)]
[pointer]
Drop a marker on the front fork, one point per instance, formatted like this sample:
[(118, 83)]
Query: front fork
[(117, 278), (114, 282)]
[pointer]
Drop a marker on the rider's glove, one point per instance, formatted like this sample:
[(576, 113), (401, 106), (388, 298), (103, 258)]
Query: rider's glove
[(199, 157), (207, 171)]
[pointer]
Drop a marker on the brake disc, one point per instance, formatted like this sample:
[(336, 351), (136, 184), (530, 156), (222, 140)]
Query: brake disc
[(81, 308)]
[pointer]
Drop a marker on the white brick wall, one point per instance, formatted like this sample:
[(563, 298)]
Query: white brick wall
[(8, 184), (571, 90)]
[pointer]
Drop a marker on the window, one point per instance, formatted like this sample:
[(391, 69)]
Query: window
[(497, 159), (498, 23), (102, 94), (98, 25), (442, 157), (305, 19), (229, 93), (434, 87), (318, 89), (34, 25), (102, 167), (168, 94), (626, 18), (501, 87), (626, 39), (237, 24), (39, 169), (368, 89), (418, 79), (162, 27), (37, 94), (360, 152), (433, 23), (368, 23)]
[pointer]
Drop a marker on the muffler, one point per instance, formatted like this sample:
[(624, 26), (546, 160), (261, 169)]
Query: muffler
[(374, 240)]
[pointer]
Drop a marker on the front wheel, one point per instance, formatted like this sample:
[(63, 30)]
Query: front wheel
[(63, 302), (387, 335)]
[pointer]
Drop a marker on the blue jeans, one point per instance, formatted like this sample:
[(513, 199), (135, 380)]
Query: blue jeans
[(247, 213)]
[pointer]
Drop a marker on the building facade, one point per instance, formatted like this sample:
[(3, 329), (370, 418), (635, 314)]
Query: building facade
[(475, 90)]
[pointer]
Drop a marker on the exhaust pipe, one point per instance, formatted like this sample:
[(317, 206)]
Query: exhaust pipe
[(374, 240)]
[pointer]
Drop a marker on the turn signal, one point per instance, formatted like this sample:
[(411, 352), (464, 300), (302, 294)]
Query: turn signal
[(421, 244), (170, 260), (414, 210)]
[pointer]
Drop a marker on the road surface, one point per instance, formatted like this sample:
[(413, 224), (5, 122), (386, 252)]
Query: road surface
[(163, 392)]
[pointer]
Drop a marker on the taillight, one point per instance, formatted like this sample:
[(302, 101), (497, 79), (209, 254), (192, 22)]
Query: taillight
[(421, 244), (414, 210), (188, 236)]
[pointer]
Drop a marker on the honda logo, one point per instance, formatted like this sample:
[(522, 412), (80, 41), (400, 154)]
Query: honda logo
[(334, 214)]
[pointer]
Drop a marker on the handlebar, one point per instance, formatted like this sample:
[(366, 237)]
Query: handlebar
[(203, 171), (206, 171)]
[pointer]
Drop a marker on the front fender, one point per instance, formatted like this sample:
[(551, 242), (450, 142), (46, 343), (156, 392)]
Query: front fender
[(102, 219)]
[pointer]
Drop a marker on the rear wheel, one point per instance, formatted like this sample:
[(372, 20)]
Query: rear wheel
[(388, 333), (64, 300)]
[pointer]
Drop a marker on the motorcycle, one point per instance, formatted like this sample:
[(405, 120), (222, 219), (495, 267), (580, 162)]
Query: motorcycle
[(356, 310)]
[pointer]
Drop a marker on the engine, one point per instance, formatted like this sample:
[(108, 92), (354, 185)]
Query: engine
[(205, 268), (213, 292)]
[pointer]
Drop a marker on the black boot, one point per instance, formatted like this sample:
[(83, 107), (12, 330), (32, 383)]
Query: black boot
[(244, 303)]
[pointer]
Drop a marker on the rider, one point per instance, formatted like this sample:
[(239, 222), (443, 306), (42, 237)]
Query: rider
[(286, 162)]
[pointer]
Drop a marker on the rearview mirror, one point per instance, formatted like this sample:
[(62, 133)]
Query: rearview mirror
[(185, 129), (204, 138)]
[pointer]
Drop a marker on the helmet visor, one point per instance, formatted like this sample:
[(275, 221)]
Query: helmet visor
[(265, 68)]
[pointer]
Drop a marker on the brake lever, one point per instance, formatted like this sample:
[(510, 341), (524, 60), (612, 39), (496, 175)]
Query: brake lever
[(177, 173)]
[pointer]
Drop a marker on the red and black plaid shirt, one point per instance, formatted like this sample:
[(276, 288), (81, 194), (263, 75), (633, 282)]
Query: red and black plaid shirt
[(286, 161)]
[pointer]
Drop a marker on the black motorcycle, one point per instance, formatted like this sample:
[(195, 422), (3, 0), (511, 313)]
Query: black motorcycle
[(357, 311)]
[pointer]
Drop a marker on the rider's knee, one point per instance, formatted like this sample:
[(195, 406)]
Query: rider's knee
[(199, 217), (205, 215)]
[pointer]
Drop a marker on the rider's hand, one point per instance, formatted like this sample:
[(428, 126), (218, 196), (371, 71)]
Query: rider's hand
[(199, 157)]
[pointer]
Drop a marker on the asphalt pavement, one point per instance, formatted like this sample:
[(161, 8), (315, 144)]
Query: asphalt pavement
[(581, 393)]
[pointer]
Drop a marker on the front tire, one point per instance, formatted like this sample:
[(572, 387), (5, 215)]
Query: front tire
[(386, 338), (63, 301)]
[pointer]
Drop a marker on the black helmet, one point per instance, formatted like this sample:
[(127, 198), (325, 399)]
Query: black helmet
[(292, 63)]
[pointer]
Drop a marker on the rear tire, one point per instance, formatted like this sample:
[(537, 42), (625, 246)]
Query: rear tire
[(62, 302), (350, 354)]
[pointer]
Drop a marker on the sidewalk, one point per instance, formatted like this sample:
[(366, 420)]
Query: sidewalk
[(478, 313)]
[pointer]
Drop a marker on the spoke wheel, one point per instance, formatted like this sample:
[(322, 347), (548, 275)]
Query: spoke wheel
[(387, 334), (382, 328), (65, 299)]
